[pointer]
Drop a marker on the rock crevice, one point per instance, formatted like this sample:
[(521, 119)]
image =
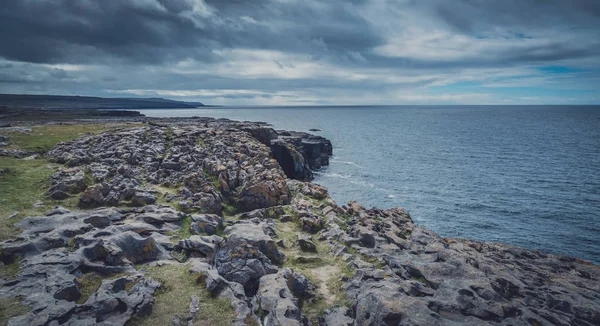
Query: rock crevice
[(213, 196)]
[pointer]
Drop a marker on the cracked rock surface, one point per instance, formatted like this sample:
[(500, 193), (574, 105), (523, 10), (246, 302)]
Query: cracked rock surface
[(214, 196)]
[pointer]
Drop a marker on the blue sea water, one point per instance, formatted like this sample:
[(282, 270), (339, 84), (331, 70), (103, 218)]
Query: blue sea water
[(522, 175)]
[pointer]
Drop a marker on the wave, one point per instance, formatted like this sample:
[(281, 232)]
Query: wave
[(348, 163), (333, 175)]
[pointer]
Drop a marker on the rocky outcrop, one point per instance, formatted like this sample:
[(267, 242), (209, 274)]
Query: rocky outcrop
[(300, 153), (279, 250), (276, 301), (212, 165), (414, 277), (59, 248)]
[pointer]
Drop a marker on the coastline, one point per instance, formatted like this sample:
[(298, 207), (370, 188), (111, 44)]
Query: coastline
[(372, 266)]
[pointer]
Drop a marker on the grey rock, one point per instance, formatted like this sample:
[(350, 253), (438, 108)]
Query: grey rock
[(206, 223), (256, 235), (240, 262), (276, 300), (338, 316), (143, 198), (134, 248), (306, 243), (207, 245)]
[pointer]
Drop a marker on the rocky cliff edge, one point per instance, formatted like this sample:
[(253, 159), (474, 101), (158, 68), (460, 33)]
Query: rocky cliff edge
[(230, 203)]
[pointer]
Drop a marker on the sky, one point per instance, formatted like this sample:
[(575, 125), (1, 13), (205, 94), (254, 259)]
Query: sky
[(305, 52)]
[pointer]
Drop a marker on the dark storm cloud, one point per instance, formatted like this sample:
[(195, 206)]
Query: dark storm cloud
[(262, 47), (74, 31), (86, 31), (154, 31)]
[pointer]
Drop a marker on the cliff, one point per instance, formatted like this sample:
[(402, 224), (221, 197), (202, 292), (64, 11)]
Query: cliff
[(230, 205)]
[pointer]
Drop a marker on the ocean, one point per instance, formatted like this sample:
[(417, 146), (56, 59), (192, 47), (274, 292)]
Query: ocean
[(522, 175)]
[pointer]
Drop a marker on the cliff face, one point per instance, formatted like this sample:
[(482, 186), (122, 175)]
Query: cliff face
[(214, 197)]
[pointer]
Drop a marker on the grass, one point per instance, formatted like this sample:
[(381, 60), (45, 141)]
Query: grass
[(28, 180), (10, 271), (163, 195), (43, 137), (174, 296), (229, 210), (169, 139), (11, 307), (88, 285), (214, 178), (20, 189), (315, 307)]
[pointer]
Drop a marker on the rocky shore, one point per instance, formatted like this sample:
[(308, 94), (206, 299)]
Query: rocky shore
[(232, 204)]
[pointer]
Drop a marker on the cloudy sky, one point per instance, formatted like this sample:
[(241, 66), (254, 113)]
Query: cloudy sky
[(305, 52)]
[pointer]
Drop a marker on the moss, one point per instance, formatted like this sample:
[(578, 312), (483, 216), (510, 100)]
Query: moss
[(10, 271), (89, 178), (185, 231), (230, 210), (251, 321), (169, 139), (11, 307), (164, 194), (260, 313), (147, 135), (71, 246), (88, 285), (174, 295), (213, 178), (420, 279), (180, 255), (315, 307)]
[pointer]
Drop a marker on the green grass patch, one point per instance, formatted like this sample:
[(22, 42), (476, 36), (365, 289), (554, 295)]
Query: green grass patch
[(174, 296), (88, 284), (184, 232), (25, 184), (169, 139), (201, 142), (89, 178), (229, 210), (164, 194), (323, 271), (10, 271), (11, 307), (147, 135), (43, 137), (330, 292)]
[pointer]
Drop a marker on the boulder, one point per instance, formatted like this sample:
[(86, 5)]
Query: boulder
[(207, 245), (94, 196), (276, 301), (238, 261), (338, 316), (135, 248), (206, 223), (256, 235), (306, 243)]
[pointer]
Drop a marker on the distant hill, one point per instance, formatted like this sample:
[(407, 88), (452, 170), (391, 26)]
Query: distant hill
[(88, 102)]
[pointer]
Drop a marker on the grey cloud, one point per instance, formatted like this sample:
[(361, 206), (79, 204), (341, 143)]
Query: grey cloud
[(475, 17), (157, 31), (133, 44)]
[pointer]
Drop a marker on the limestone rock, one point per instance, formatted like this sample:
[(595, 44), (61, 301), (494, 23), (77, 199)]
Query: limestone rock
[(256, 235), (305, 243), (206, 223)]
